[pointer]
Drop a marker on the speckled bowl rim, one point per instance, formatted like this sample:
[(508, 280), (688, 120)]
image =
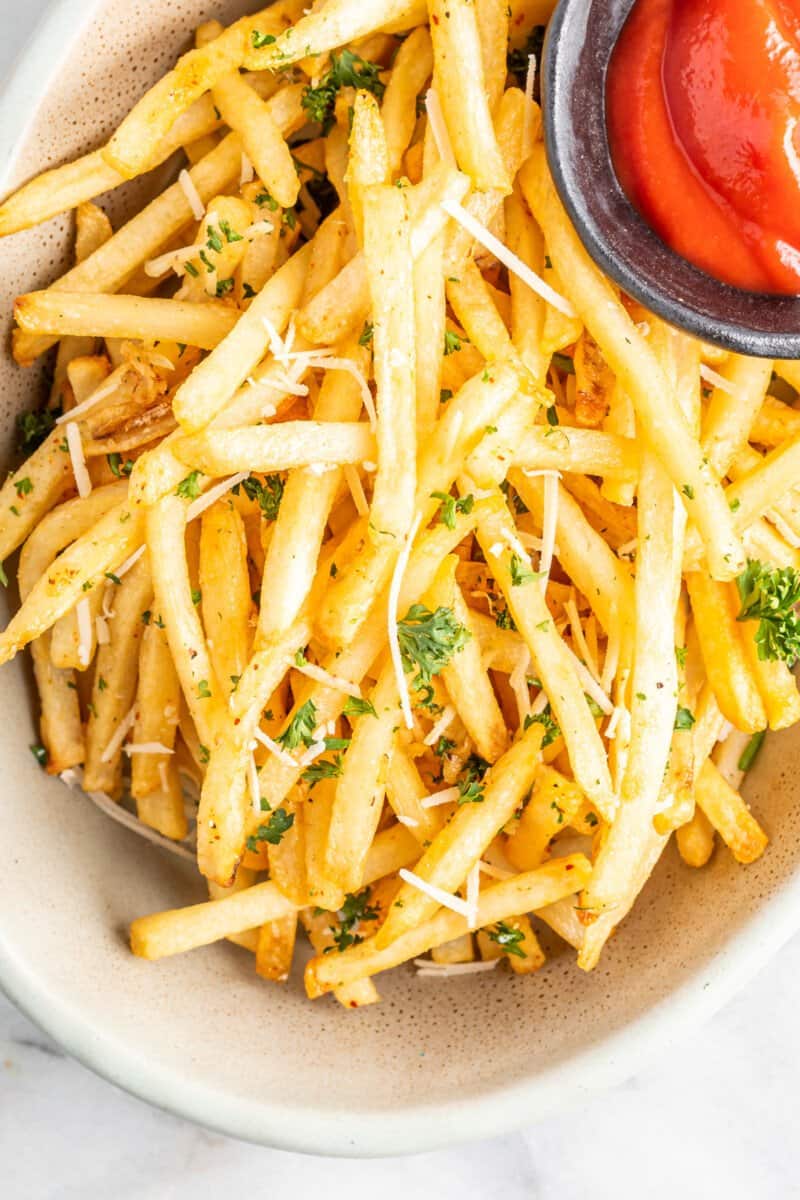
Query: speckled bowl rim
[(410, 1130)]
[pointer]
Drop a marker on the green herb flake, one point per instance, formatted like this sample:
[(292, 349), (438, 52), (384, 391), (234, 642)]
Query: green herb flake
[(428, 640), (508, 938), (355, 706), (770, 596), (684, 718), (189, 488), (300, 730)]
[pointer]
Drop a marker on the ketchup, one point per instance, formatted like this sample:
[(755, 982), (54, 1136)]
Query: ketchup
[(703, 107)]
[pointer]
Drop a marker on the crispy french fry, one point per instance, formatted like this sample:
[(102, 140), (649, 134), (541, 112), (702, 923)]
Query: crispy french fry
[(96, 315), (154, 782), (661, 421), (465, 678), (225, 591), (524, 893), (410, 72), (460, 79), (114, 689), (721, 641), (730, 816), (554, 801), (458, 847), (277, 447)]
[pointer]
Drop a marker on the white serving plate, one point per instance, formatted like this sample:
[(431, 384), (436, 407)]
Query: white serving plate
[(436, 1062)]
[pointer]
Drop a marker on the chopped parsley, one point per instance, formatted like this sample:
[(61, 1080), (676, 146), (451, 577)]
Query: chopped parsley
[(471, 785), (117, 466), (521, 574), (452, 342), (508, 938), (189, 488), (268, 494), (356, 707), (33, 428), (203, 690), (23, 487), (300, 730), (545, 718), (40, 754), (355, 910), (259, 40), (346, 70), (684, 718), (367, 333), (272, 831), (447, 510), (770, 596), (323, 768), (428, 640)]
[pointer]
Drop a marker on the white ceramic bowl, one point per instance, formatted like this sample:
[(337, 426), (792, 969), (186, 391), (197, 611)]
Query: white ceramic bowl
[(436, 1062)]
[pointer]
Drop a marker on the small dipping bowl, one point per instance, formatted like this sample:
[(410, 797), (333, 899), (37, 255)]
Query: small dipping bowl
[(580, 40)]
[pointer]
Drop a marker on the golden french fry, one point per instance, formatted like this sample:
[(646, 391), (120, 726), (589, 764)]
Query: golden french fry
[(554, 801), (730, 816), (95, 315), (524, 893), (696, 840), (714, 609), (277, 447), (454, 851), (225, 600)]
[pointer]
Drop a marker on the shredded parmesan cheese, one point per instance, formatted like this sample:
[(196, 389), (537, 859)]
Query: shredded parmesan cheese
[(213, 494), (83, 614), (173, 260), (78, 460), (579, 638), (131, 561), (119, 735), (147, 748), (192, 195), (527, 120), (444, 722), (455, 903), (337, 682), (446, 796), (507, 257), (246, 171), (441, 137), (411, 822), (428, 969), (495, 872), (716, 380), (518, 681), (101, 631), (106, 388), (353, 481), (783, 528), (275, 748)]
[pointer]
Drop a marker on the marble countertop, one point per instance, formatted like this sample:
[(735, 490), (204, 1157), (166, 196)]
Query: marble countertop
[(718, 1118)]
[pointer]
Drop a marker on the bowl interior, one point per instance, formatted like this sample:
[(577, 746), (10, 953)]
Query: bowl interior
[(435, 1061), (580, 39)]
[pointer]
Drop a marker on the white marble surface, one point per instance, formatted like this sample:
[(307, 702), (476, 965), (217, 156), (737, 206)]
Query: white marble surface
[(719, 1118)]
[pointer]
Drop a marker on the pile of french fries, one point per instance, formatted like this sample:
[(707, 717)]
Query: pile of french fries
[(376, 551)]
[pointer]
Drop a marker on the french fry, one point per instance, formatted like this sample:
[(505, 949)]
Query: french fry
[(115, 679), (387, 256), (338, 22), (225, 591), (721, 641), (524, 893), (460, 79), (368, 159), (181, 929), (554, 801), (95, 315), (626, 351), (117, 534), (141, 238), (729, 815), (360, 788), (154, 782), (262, 139), (277, 447), (732, 410), (410, 72), (654, 690), (317, 926), (465, 678), (552, 661), (404, 791), (775, 682), (456, 849), (696, 840), (60, 723)]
